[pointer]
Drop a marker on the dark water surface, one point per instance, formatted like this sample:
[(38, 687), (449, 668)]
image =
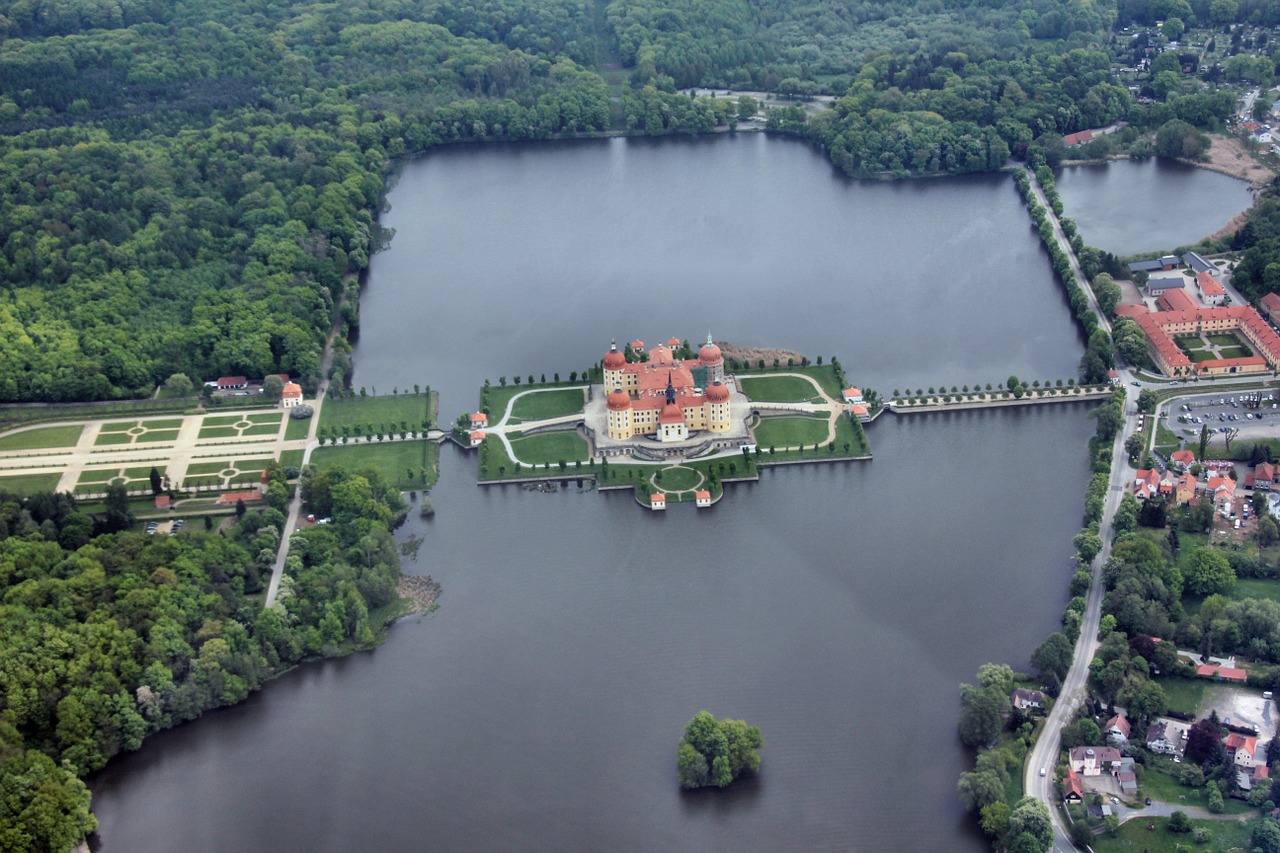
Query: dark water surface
[(1133, 206), (837, 607)]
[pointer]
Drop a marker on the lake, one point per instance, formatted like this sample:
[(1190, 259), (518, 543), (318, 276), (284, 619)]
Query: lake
[(838, 607), (1128, 207)]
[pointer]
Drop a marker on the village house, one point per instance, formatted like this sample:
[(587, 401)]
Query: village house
[(1162, 740), (853, 395), (290, 395), (228, 383), (477, 437), (1023, 699), (1093, 760), (1270, 306), (657, 501), (1072, 787), (1183, 459), (479, 420), (702, 499), (1222, 673), (1241, 749), (1146, 483), (1184, 489), (1117, 728), (1264, 476)]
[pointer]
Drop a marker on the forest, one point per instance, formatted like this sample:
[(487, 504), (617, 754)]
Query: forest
[(194, 187), (108, 635)]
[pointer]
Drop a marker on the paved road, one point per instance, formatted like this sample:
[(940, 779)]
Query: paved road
[(1073, 693)]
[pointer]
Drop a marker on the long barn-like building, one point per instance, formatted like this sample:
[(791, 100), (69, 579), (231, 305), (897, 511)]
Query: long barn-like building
[(665, 397), (1162, 327)]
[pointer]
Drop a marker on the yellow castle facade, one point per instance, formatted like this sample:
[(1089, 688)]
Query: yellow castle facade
[(665, 397)]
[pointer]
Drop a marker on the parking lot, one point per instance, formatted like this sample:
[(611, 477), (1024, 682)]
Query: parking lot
[(1253, 414)]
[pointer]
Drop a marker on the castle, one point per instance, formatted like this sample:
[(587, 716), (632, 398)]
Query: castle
[(664, 397)]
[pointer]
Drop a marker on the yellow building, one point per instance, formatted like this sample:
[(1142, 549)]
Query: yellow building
[(665, 397)]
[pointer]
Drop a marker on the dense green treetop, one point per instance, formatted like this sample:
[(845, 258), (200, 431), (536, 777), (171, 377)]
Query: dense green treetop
[(107, 638), (715, 752)]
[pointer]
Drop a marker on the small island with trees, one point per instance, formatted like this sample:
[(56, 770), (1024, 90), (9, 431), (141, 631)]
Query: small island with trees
[(715, 752)]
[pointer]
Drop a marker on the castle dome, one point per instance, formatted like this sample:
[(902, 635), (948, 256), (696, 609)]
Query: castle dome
[(614, 360), (671, 414), (619, 400), (717, 392), (710, 354)]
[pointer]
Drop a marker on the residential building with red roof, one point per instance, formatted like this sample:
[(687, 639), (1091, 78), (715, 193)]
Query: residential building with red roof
[(477, 437), (852, 395), (1184, 489), (229, 382), (1270, 306), (478, 420), (290, 395), (665, 397), (702, 499), (1072, 787), (1078, 138), (1118, 725), (1222, 673), (1092, 760), (1209, 286), (657, 500), (1242, 749), (1146, 483), (1183, 458), (1264, 476)]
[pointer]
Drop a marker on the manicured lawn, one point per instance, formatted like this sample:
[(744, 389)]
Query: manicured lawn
[(101, 476), (1200, 355), (1183, 694), (1134, 837), (207, 432), (209, 467), (141, 473), (264, 418), (157, 435), (783, 389), (221, 420), (1159, 785), (291, 459), (790, 431), (1224, 340), (297, 428), (550, 447), (1191, 343), (826, 376), (386, 410), (36, 439), (262, 429), (26, 484), (395, 459), (495, 397), (106, 438), (547, 404), (118, 426), (1236, 352), (678, 479)]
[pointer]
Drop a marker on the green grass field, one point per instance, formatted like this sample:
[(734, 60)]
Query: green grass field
[(99, 476), (220, 420), (208, 432), (790, 431), (112, 438), (45, 437), (262, 429), (678, 479), (291, 459), (550, 447), (547, 404), (1183, 694), (413, 409), (782, 389), (264, 417), (1235, 352), (826, 376), (297, 428), (396, 460), (27, 484), (1224, 339), (1134, 837), (152, 435)]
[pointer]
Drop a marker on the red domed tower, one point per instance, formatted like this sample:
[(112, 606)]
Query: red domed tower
[(613, 359), (618, 415), (712, 359)]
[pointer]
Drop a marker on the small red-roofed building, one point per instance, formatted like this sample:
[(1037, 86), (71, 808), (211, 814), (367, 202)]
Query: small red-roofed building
[(477, 437), (674, 343), (233, 497), (1270, 306), (637, 346), (1222, 673), (1072, 787), (1242, 749), (1113, 376), (860, 412), (702, 499), (1146, 483), (657, 501), (290, 395), (162, 502), (1264, 476), (479, 420), (1183, 458), (1078, 138), (1209, 286), (226, 383), (1117, 726), (852, 395)]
